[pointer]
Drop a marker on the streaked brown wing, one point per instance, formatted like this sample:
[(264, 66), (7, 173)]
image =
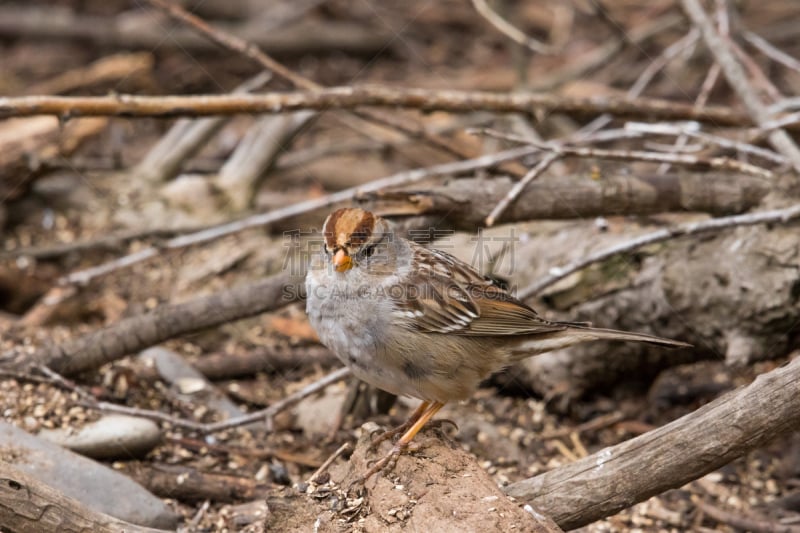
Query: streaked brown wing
[(447, 296)]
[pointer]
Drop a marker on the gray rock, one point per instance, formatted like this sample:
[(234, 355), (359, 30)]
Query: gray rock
[(96, 486), (111, 437), (192, 386)]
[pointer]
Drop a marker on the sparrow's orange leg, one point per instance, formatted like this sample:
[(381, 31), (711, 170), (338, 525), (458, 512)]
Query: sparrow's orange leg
[(402, 427), (404, 441)]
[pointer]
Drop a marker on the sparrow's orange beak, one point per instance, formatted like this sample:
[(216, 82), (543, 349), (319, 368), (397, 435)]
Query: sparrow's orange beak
[(341, 261)]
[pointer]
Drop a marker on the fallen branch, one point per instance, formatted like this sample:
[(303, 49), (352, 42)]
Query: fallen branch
[(668, 457), (189, 485), (167, 321), (463, 204), (29, 506), (369, 95)]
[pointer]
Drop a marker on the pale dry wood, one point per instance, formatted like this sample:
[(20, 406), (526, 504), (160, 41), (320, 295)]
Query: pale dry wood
[(29, 506), (740, 81), (240, 176), (300, 208), (617, 477), (113, 68), (185, 138), (511, 31)]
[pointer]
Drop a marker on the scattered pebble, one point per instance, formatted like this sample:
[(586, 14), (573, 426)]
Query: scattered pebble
[(110, 437)]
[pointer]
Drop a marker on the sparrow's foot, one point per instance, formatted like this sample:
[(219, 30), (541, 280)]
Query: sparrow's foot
[(386, 463), (402, 428)]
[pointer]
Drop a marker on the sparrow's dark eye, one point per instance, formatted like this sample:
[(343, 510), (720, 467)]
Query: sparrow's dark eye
[(368, 251)]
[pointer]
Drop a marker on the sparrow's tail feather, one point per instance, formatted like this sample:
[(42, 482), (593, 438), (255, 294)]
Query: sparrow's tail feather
[(576, 333)]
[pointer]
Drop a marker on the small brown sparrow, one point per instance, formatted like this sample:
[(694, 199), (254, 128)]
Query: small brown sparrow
[(419, 322)]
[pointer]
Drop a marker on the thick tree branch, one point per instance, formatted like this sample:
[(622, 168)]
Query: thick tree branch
[(688, 448), (29, 506), (464, 204)]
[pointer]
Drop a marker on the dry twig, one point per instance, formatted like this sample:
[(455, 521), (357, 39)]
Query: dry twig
[(518, 187), (314, 478), (253, 52), (771, 51), (511, 31), (368, 95), (89, 401), (563, 149), (739, 81)]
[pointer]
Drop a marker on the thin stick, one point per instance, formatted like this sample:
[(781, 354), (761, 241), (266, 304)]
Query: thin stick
[(715, 224), (510, 31), (262, 219), (328, 462), (702, 97), (613, 479), (771, 51), (723, 21), (689, 130), (671, 52), (454, 101), (518, 187), (722, 163), (90, 401), (271, 411)]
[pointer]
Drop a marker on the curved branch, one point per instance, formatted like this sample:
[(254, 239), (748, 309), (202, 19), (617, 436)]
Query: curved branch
[(688, 448)]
